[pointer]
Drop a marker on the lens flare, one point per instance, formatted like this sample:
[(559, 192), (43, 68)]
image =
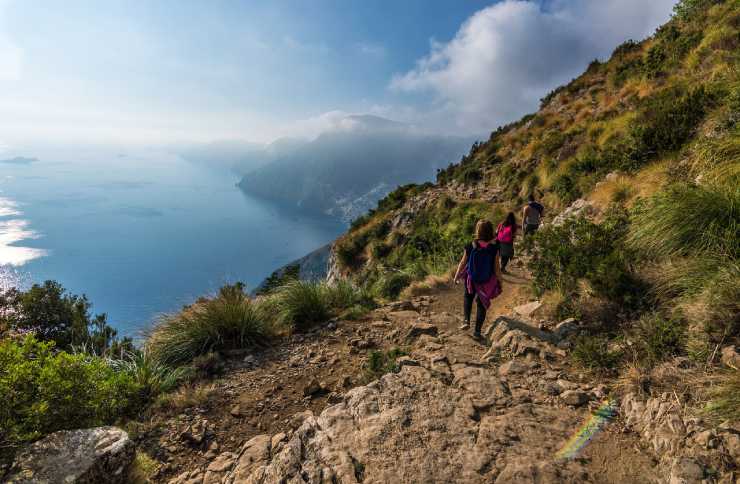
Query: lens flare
[(602, 416)]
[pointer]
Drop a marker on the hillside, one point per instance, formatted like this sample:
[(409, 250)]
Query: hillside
[(660, 111), (347, 169), (612, 355)]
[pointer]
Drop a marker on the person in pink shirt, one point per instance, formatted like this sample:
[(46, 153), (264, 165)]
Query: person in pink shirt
[(505, 235), (480, 269)]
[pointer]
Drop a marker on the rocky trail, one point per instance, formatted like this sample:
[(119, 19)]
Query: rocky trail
[(509, 409)]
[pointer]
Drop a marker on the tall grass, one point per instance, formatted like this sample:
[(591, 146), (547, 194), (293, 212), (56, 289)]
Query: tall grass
[(229, 320), (152, 377), (687, 220), (302, 304), (693, 233)]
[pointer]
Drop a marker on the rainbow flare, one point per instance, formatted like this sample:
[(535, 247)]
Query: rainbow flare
[(603, 415)]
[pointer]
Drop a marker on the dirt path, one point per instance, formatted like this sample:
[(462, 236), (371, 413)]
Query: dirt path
[(303, 412)]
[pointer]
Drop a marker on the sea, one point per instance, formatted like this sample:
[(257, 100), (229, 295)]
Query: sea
[(141, 233)]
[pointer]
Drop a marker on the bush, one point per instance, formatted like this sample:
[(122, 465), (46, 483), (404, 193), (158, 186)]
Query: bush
[(565, 188), (666, 121), (655, 338), (228, 321), (580, 249), (43, 391), (593, 352), (53, 314)]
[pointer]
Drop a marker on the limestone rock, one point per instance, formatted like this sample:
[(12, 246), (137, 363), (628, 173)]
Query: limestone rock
[(527, 310), (101, 454), (574, 397), (731, 357), (418, 329)]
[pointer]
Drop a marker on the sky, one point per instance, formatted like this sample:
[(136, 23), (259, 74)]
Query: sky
[(184, 71)]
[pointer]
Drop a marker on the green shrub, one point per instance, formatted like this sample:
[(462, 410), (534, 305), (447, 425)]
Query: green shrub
[(666, 121), (580, 249), (53, 314), (44, 391), (228, 321), (593, 352), (655, 338), (566, 188)]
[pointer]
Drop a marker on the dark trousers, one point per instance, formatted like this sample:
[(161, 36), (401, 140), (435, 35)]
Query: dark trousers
[(504, 261), (480, 314)]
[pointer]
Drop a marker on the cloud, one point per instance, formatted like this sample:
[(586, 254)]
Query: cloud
[(505, 57)]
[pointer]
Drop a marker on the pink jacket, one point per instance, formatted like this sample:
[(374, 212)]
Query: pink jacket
[(486, 291)]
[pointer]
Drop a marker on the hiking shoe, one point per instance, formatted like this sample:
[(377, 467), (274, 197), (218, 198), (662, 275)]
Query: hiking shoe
[(465, 326), (478, 336)]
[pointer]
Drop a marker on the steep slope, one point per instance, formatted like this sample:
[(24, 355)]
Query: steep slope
[(645, 117)]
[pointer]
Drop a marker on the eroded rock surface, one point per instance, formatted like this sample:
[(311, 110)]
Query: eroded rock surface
[(87, 456)]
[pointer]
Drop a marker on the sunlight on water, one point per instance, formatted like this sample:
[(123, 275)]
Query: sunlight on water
[(11, 256)]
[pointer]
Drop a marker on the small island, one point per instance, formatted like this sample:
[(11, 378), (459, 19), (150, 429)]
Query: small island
[(19, 160)]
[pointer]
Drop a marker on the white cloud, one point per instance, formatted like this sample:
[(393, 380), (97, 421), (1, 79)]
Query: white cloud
[(507, 56)]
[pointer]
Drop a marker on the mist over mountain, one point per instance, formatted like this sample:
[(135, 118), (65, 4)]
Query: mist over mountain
[(349, 167)]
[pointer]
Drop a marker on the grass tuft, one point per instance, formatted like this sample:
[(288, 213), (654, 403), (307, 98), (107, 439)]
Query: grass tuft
[(228, 321)]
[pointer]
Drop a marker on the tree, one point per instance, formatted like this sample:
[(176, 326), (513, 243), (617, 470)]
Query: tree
[(53, 314)]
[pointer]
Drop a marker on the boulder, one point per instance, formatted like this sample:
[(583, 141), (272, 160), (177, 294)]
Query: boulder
[(101, 454), (527, 310)]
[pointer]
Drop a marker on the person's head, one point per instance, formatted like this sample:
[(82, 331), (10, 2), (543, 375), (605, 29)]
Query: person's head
[(531, 197), (510, 220), (484, 230)]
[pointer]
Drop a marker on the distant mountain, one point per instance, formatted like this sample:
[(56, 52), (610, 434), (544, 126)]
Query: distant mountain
[(19, 160), (236, 155), (347, 169)]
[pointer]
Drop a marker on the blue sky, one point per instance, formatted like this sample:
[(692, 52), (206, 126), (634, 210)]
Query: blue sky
[(140, 71)]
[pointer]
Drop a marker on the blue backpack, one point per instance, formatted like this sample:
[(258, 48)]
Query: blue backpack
[(480, 263)]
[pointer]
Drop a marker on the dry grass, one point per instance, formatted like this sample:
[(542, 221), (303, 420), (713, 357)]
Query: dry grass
[(186, 396), (142, 469), (429, 285)]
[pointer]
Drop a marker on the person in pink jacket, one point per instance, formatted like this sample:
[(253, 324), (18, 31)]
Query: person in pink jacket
[(480, 269)]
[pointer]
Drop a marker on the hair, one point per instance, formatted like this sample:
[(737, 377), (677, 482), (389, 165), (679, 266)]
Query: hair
[(510, 221), (531, 197), (484, 230)]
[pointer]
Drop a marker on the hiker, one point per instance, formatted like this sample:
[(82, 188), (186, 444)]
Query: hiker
[(505, 234), (532, 215), (480, 269)]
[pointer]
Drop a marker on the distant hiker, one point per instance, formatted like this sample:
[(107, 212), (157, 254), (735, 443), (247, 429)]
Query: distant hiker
[(480, 269), (532, 215), (505, 235)]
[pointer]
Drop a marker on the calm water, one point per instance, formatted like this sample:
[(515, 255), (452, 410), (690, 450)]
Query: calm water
[(143, 233)]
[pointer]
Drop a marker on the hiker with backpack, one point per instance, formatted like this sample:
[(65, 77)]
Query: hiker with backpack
[(480, 269), (532, 215), (505, 234)]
